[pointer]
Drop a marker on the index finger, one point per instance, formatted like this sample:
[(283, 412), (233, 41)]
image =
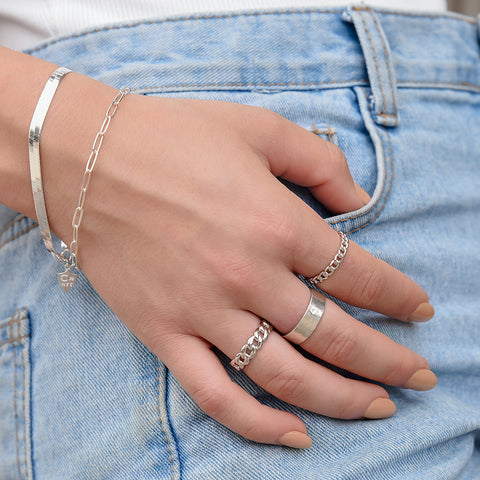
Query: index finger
[(361, 279)]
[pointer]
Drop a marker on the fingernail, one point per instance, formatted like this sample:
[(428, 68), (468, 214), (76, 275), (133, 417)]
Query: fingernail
[(422, 379), (295, 440), (380, 408), (364, 196), (423, 313)]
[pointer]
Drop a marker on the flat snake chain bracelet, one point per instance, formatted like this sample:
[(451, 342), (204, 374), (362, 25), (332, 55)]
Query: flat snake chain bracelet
[(68, 256)]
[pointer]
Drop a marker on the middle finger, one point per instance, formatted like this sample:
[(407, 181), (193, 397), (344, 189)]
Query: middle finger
[(342, 341), (361, 279)]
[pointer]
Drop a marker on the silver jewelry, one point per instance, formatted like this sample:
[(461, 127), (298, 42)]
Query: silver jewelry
[(254, 343), (334, 264), (68, 256), (310, 319), (92, 159), (34, 155)]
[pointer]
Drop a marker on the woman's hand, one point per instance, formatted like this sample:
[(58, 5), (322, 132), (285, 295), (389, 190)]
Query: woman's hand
[(190, 238)]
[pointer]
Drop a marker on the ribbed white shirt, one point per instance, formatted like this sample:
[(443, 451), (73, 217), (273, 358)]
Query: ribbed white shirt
[(25, 23)]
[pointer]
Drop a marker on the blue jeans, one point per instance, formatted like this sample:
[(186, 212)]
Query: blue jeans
[(82, 398)]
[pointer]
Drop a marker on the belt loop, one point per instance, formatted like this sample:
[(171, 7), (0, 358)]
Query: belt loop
[(379, 61)]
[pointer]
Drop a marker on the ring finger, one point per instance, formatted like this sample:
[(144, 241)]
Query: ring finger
[(349, 344), (286, 373), (339, 339)]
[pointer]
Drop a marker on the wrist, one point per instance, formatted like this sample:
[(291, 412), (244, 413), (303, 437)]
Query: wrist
[(21, 81), (75, 116), (70, 126)]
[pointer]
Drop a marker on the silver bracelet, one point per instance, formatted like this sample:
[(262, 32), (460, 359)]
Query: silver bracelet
[(68, 256), (34, 155)]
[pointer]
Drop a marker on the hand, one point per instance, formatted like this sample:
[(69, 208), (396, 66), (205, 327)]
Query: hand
[(186, 215)]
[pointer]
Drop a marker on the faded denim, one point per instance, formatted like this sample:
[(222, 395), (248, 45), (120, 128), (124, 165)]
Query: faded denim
[(81, 398)]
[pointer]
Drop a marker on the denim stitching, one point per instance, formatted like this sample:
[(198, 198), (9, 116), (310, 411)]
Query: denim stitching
[(313, 84), (9, 322), (384, 203), (329, 132), (26, 437), (377, 70), (465, 19), (180, 19), (11, 340), (160, 418), (18, 235), (15, 395), (270, 84), (372, 206), (387, 60), (11, 224), (234, 15), (409, 83)]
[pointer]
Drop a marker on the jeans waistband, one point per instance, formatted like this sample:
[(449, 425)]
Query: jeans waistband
[(275, 50)]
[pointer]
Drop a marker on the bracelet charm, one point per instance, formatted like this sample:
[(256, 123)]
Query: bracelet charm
[(67, 279)]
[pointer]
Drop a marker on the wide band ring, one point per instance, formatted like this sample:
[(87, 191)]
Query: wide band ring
[(310, 319), (254, 343), (334, 264)]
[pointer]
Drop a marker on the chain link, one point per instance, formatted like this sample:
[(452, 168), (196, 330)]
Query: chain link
[(334, 264), (69, 255), (249, 350)]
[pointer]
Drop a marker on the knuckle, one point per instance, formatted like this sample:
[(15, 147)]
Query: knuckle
[(342, 346), (294, 243), (155, 330), (371, 286), (276, 228), (400, 371), (274, 127), (288, 383), (282, 233), (236, 272), (336, 161), (347, 406), (146, 323), (275, 121), (253, 431), (212, 401)]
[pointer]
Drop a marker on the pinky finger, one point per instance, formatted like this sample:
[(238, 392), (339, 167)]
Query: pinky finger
[(199, 371)]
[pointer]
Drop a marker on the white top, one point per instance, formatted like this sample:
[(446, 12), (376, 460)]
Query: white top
[(25, 23)]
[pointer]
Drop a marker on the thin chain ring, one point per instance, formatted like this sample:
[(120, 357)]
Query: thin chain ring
[(254, 343), (334, 264)]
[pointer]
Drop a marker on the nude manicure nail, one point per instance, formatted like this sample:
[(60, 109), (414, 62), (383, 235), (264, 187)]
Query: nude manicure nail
[(295, 440), (422, 379), (380, 408), (423, 313), (364, 196)]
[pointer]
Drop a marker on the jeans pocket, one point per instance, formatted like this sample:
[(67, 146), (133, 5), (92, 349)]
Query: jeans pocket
[(15, 439), (371, 147), (344, 118)]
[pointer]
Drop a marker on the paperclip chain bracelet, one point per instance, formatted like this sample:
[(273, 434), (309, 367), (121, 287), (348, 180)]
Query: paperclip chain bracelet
[(69, 255)]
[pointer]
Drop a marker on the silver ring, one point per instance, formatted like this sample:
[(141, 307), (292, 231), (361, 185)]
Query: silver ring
[(254, 343), (310, 319), (334, 264)]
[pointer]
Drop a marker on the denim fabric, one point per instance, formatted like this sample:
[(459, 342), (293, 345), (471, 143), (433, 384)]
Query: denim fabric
[(81, 398)]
